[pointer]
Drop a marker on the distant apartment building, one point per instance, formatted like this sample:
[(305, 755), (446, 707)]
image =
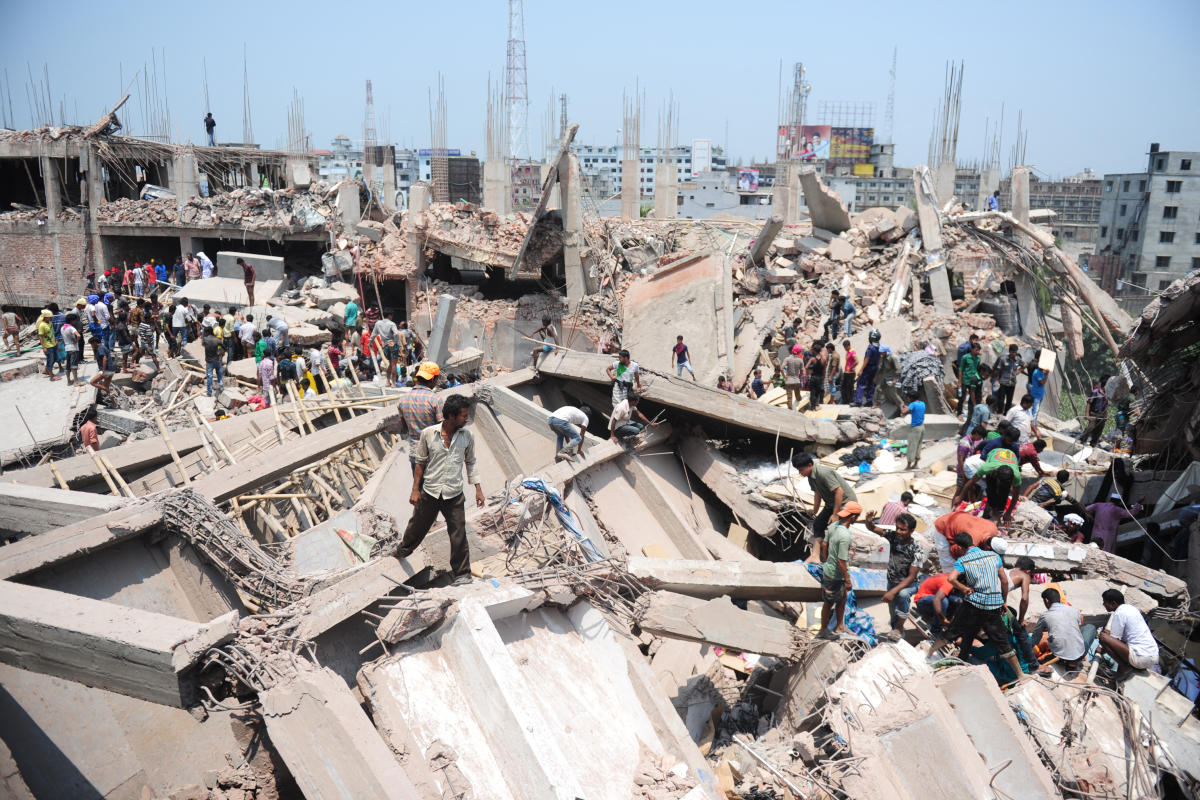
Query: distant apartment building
[(1075, 202), (602, 164), (1149, 224)]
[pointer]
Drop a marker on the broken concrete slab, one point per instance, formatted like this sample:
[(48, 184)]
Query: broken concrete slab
[(762, 242), (79, 539), (353, 591), (841, 250), (327, 741), (741, 580), (937, 426), (35, 509), (824, 206), (122, 649), (719, 622), (1169, 713), (717, 473), (122, 422)]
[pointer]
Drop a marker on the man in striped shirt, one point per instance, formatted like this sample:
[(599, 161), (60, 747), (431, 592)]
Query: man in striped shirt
[(420, 408), (980, 576)]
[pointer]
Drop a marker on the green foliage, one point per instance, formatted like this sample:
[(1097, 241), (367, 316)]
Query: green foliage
[(645, 209)]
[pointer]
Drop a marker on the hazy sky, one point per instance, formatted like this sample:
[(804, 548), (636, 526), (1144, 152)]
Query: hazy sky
[(1096, 81)]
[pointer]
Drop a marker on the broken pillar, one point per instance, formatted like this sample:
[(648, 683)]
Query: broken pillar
[(718, 621), (419, 195), (1020, 200), (497, 186), (348, 204), (741, 580), (989, 181), (927, 209), (388, 199), (766, 237), (943, 177), (127, 650), (825, 208), (328, 742), (443, 324), (630, 188), (299, 174), (182, 176), (570, 192), (666, 191)]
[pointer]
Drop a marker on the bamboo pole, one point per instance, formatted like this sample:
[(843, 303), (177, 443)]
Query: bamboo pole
[(116, 475), (102, 470), (162, 428), (62, 484)]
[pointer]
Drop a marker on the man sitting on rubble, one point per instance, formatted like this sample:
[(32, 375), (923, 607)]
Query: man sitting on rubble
[(1128, 639), (981, 578), (904, 562), (442, 453), (835, 580), (621, 424), (1069, 642), (563, 422), (829, 488)]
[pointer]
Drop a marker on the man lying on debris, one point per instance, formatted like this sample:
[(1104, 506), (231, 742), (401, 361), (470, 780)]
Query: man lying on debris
[(981, 578), (442, 453), (1128, 639), (829, 489), (835, 581)]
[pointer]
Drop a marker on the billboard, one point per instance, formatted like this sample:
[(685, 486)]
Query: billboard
[(839, 146), (850, 146), (747, 180)]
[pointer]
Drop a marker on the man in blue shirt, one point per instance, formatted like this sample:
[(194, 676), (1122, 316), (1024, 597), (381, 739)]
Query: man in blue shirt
[(1037, 389), (916, 428), (981, 578), (994, 201), (757, 386), (865, 390)]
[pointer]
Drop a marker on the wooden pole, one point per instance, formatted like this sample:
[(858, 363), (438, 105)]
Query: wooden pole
[(162, 428)]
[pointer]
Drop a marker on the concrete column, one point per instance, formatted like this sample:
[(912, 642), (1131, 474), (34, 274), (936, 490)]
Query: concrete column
[(348, 204), (989, 181), (764, 240), (94, 199), (944, 182), (255, 179), (51, 186), (497, 186), (1020, 199), (630, 189), (183, 176), (388, 200), (781, 201), (666, 191), (572, 217), (419, 195), (443, 323)]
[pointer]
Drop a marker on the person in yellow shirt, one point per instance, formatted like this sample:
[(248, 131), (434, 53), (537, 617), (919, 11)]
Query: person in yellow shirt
[(49, 343)]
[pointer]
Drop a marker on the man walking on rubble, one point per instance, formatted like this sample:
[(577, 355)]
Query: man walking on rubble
[(1004, 373), (792, 366), (442, 453), (888, 377), (981, 578), (1097, 413), (247, 279), (864, 394), (849, 369), (681, 358), (916, 428), (389, 344), (209, 124), (829, 488), (835, 580)]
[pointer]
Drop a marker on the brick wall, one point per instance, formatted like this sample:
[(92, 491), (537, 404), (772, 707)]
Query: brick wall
[(29, 269)]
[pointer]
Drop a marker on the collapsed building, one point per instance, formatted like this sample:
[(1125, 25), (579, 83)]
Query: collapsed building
[(210, 607)]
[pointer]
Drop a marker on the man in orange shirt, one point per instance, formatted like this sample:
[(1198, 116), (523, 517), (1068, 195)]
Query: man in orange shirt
[(936, 600), (979, 529)]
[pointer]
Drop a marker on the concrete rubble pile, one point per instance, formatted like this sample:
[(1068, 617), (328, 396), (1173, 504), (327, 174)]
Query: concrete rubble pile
[(252, 209)]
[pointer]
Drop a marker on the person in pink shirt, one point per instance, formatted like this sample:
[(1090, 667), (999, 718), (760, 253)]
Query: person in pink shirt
[(1107, 516)]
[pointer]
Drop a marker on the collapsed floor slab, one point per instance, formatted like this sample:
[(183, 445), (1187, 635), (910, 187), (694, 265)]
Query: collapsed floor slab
[(743, 580)]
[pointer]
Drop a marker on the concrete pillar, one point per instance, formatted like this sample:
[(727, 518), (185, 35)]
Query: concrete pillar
[(94, 199), (572, 217), (187, 245), (443, 322), (388, 198), (989, 181), (944, 182), (497, 186), (666, 191), (1020, 199), (419, 195), (781, 197), (348, 204), (184, 182), (631, 192), (765, 238), (255, 180), (50, 189)]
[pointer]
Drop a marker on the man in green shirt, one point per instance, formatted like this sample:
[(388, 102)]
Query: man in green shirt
[(971, 379), (1001, 476), (830, 489), (835, 580)]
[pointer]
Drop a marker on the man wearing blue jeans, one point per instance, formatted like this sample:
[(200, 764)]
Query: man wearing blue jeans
[(904, 562), (563, 422), (848, 314), (679, 354), (212, 360)]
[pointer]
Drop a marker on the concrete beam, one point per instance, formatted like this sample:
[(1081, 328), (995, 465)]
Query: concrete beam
[(741, 580), (36, 509), (78, 539), (765, 238), (137, 653), (569, 179), (351, 593), (719, 622), (328, 743), (443, 323), (715, 472), (718, 405), (824, 206), (927, 209)]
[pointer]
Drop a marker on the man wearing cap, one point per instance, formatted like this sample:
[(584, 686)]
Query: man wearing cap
[(981, 578), (829, 488), (563, 422), (419, 408), (792, 366), (442, 452), (49, 344), (835, 580)]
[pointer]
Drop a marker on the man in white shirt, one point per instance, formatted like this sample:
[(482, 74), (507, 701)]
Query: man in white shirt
[(1128, 639), (563, 422), (246, 333), (621, 424), (625, 375), (1021, 417)]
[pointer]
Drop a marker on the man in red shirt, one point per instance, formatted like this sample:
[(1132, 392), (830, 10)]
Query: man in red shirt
[(88, 432), (247, 279), (936, 599), (1028, 454)]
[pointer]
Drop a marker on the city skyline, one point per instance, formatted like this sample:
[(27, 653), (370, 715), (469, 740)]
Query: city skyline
[(1059, 94)]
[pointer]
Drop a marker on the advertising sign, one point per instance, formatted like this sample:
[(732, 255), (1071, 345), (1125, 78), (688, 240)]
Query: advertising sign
[(747, 180), (849, 146)]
